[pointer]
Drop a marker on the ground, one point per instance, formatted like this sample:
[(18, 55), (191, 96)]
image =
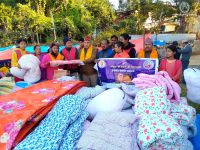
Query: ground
[(184, 94)]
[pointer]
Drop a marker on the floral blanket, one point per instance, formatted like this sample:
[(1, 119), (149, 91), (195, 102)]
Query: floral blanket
[(22, 110)]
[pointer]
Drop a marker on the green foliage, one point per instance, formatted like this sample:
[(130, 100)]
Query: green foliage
[(107, 34), (33, 18)]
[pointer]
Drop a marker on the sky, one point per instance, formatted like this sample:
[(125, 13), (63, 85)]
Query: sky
[(115, 3)]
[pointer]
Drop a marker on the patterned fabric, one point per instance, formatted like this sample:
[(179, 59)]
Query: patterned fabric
[(9, 107), (183, 114), (151, 101), (161, 78), (90, 92), (158, 132), (110, 131), (73, 133), (58, 127), (30, 105)]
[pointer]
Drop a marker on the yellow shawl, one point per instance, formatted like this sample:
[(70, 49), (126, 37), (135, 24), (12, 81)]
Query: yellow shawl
[(86, 56), (59, 57), (153, 54)]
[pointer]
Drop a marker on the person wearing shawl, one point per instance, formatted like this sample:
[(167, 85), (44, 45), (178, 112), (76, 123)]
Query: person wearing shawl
[(70, 53), (88, 56), (149, 51), (52, 56)]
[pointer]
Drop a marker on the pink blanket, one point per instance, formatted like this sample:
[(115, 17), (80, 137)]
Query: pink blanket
[(65, 62), (161, 78)]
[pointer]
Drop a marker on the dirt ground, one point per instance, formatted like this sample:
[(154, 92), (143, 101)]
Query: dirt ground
[(195, 60)]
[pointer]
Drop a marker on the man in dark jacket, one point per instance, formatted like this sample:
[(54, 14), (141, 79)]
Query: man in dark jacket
[(178, 54), (186, 53), (106, 51)]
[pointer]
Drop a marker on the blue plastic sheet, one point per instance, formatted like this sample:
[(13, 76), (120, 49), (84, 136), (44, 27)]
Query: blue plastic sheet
[(44, 48), (196, 140), (159, 43)]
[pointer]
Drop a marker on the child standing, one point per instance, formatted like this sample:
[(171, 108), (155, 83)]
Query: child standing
[(171, 65), (120, 53), (52, 56)]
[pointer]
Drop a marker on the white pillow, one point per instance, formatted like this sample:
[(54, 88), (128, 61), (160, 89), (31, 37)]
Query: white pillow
[(110, 100)]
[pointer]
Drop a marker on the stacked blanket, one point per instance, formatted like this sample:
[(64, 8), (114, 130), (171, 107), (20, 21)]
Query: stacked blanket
[(162, 78), (158, 129), (21, 111), (112, 131), (160, 132), (61, 128), (152, 101), (6, 85), (185, 116), (90, 92)]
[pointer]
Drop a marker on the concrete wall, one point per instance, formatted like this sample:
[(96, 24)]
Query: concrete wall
[(169, 37)]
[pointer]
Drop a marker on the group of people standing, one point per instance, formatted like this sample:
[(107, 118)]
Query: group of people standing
[(114, 48)]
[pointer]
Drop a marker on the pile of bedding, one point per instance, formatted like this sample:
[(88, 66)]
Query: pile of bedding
[(61, 128), (113, 131), (6, 85), (22, 110)]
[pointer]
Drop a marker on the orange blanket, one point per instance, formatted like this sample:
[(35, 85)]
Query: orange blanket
[(21, 111)]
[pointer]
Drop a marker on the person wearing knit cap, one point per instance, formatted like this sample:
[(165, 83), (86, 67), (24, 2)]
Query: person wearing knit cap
[(172, 65), (70, 53), (88, 56), (149, 51)]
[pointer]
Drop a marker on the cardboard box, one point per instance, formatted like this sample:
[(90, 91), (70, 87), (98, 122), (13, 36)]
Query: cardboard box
[(60, 73)]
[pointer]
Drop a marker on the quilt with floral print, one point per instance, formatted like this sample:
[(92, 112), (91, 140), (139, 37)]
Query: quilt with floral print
[(22, 110)]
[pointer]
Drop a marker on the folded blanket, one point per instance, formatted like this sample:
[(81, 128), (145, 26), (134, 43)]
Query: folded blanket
[(130, 90), (6, 85), (190, 131), (152, 101), (73, 133), (183, 113), (113, 131), (161, 78), (159, 132), (65, 62), (90, 92), (23, 109), (58, 126)]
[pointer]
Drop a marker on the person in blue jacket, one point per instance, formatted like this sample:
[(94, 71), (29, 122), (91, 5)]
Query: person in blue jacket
[(106, 51)]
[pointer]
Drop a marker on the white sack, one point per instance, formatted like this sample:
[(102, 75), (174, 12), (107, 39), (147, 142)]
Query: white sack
[(30, 71), (19, 73), (192, 79)]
